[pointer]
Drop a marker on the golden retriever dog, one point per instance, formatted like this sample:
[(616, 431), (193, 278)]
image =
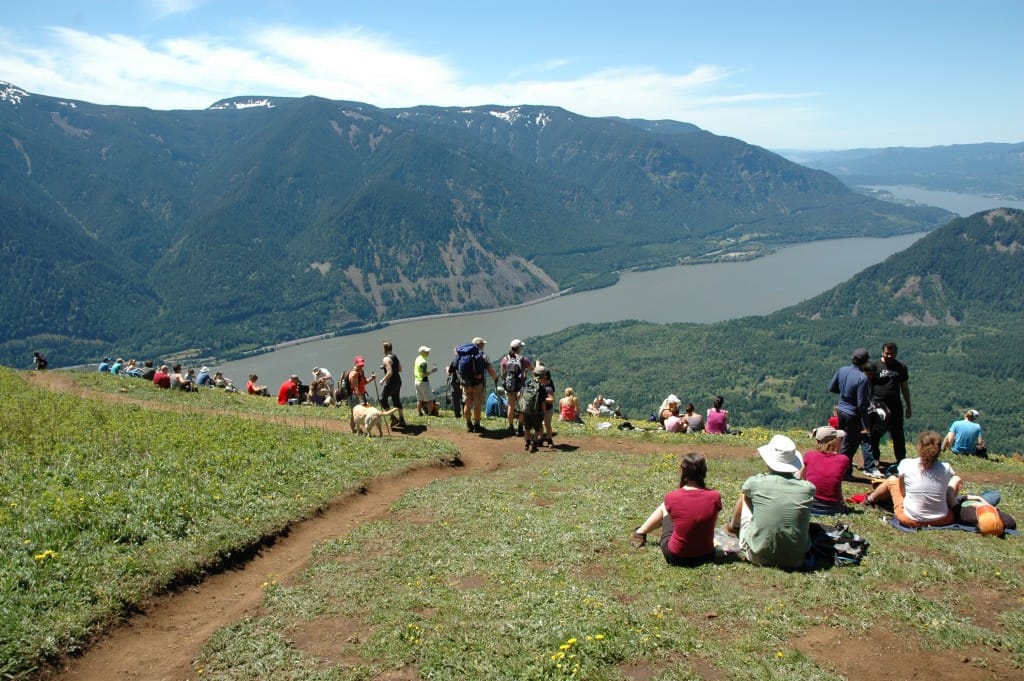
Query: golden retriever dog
[(367, 417)]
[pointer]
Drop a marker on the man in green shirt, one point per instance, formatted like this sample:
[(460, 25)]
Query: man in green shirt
[(773, 514)]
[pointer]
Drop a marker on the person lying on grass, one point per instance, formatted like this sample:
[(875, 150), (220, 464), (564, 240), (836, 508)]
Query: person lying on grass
[(687, 517)]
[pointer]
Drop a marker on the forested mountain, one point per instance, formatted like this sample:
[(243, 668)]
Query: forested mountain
[(953, 303), (990, 168), (259, 219)]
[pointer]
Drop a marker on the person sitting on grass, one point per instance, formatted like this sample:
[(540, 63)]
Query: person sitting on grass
[(825, 468), (670, 407), (254, 388), (772, 517), (924, 490), (569, 407), (497, 403), (693, 421), (718, 419), (673, 422), (687, 517)]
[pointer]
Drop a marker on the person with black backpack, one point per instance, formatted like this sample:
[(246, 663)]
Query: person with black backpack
[(474, 366), (532, 402), (515, 367)]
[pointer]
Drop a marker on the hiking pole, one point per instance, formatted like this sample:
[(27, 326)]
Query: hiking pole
[(376, 390)]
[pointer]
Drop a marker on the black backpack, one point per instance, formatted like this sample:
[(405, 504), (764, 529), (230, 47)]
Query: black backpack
[(513, 374), (531, 399), (344, 389), (471, 364)]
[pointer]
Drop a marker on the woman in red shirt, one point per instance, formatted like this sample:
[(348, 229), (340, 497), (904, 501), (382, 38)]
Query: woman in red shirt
[(687, 517)]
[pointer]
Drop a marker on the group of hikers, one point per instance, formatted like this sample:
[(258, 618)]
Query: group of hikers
[(771, 518)]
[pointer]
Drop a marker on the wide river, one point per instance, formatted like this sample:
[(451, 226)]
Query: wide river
[(714, 292)]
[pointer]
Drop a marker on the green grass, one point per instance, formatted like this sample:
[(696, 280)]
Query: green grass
[(527, 574), (522, 573), (102, 505)]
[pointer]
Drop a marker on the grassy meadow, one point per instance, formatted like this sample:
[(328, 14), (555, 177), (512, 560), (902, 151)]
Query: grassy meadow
[(521, 573)]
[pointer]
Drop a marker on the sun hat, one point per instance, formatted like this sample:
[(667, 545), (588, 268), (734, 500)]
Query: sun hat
[(517, 344), (780, 455), (825, 434), (541, 371), (479, 341), (424, 348), (860, 355)]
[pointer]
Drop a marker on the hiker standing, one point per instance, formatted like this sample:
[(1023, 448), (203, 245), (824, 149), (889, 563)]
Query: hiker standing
[(474, 366), (391, 383), (421, 371), (515, 366)]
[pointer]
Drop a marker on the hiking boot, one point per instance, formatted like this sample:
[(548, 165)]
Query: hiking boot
[(478, 428), (511, 429), (519, 431), (401, 423), (526, 445), (469, 426), (548, 442), (637, 540), (533, 447)]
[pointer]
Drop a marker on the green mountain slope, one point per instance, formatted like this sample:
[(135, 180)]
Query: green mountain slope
[(952, 302), (239, 226)]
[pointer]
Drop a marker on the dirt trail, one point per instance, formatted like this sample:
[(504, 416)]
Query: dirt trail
[(162, 640)]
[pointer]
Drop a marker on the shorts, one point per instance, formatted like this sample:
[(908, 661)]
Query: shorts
[(534, 422), (423, 392)]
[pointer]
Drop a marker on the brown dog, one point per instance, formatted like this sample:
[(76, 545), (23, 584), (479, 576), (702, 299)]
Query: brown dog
[(367, 417)]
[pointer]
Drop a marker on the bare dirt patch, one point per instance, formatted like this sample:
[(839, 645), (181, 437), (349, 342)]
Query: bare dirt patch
[(884, 651)]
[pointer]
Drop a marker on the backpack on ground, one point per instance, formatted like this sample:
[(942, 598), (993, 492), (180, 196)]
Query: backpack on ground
[(531, 398), (471, 364), (513, 380)]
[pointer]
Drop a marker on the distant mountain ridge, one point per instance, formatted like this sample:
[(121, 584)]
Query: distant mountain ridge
[(991, 168), (261, 219)]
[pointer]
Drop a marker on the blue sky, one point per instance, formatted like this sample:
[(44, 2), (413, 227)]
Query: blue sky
[(780, 74)]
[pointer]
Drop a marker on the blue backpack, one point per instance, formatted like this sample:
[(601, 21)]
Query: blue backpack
[(471, 364)]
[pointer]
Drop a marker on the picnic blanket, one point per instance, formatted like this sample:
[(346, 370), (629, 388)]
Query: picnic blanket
[(894, 521)]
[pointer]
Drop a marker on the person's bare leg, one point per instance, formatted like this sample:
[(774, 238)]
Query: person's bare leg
[(653, 520)]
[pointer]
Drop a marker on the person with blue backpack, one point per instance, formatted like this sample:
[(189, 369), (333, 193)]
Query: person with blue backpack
[(474, 366), (515, 367)]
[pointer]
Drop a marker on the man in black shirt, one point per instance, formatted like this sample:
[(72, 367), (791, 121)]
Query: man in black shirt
[(892, 380)]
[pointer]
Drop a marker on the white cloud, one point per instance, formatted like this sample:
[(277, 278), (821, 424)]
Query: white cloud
[(355, 64)]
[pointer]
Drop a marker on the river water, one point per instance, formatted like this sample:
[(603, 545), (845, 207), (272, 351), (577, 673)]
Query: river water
[(714, 292)]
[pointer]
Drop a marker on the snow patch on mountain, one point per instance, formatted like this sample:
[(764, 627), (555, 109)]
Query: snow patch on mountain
[(11, 93), (243, 103)]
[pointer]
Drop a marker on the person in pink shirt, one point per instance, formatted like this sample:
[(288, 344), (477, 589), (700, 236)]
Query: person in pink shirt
[(825, 467), (717, 420)]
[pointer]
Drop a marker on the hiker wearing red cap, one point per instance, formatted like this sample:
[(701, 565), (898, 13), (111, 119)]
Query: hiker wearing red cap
[(357, 381)]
